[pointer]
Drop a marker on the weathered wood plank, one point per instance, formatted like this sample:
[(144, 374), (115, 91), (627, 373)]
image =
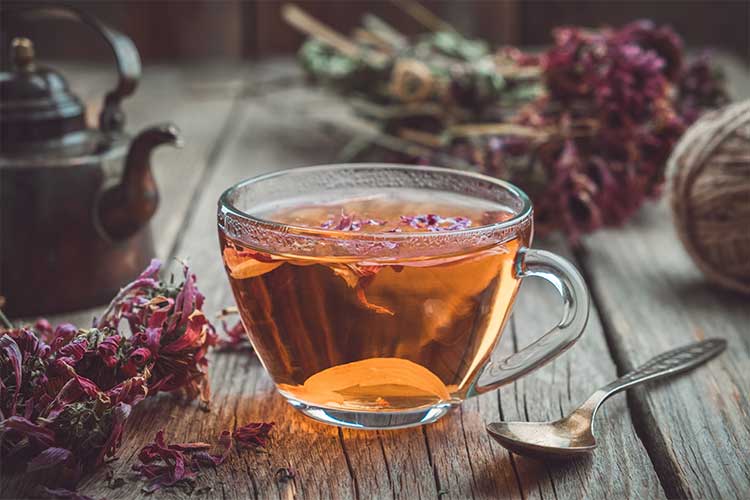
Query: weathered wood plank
[(619, 467), (696, 427), (473, 465), (262, 140)]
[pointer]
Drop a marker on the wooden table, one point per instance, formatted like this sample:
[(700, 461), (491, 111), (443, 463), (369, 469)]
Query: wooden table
[(685, 437)]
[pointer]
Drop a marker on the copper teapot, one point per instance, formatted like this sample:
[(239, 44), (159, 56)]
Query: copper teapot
[(76, 201)]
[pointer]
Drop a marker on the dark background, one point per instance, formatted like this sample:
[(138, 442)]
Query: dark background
[(237, 29)]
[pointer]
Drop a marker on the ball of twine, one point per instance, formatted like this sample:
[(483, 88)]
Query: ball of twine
[(709, 187)]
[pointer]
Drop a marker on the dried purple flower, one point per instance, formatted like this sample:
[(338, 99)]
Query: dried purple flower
[(570, 198), (65, 394), (701, 86), (23, 373), (11, 361), (205, 458), (630, 86), (564, 72), (162, 464), (166, 465), (170, 334), (50, 457), (254, 434), (662, 40), (181, 363), (107, 350)]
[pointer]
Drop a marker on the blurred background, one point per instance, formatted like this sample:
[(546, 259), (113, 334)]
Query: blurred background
[(189, 30)]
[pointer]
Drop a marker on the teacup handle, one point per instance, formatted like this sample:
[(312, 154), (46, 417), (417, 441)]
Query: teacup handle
[(575, 296)]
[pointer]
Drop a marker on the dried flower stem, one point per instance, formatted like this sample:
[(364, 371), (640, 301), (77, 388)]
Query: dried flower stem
[(421, 137), (385, 31), (479, 129), (409, 148), (423, 16), (307, 24), (118, 299), (365, 36), (5, 321)]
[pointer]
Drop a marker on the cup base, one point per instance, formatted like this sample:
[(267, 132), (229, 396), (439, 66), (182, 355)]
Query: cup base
[(371, 420)]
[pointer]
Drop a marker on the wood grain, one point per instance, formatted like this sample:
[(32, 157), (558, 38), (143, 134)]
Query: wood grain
[(472, 465), (696, 427), (652, 296)]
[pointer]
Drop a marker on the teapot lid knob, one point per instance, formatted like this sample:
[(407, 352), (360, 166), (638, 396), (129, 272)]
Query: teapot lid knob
[(22, 53)]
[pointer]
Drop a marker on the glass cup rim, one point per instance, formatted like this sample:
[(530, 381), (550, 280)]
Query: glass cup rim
[(228, 207)]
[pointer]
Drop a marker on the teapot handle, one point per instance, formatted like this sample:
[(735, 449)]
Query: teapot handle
[(111, 118)]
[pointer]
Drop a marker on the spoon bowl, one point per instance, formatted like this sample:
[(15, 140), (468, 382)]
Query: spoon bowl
[(560, 438)]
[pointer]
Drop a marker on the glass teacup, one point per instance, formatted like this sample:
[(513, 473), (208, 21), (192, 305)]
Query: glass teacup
[(374, 294)]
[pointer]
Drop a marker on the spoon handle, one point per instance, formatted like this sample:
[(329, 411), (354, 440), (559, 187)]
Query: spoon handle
[(669, 363)]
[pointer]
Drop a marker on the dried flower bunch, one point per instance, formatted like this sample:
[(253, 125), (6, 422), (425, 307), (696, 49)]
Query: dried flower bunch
[(585, 127), (170, 334), (65, 392)]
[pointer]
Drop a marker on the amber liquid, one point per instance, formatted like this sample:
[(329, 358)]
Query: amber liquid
[(357, 335)]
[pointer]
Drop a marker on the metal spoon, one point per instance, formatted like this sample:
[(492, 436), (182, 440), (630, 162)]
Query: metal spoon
[(573, 435)]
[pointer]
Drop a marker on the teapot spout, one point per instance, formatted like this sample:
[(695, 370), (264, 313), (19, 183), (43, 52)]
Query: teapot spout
[(126, 207)]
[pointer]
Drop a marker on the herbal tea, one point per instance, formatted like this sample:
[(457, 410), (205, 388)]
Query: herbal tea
[(366, 334)]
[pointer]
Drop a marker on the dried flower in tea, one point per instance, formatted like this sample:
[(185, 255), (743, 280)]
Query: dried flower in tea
[(244, 264), (350, 223), (434, 222), (235, 338)]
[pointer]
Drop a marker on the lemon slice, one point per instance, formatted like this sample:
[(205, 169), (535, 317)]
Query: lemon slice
[(243, 267), (384, 383)]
